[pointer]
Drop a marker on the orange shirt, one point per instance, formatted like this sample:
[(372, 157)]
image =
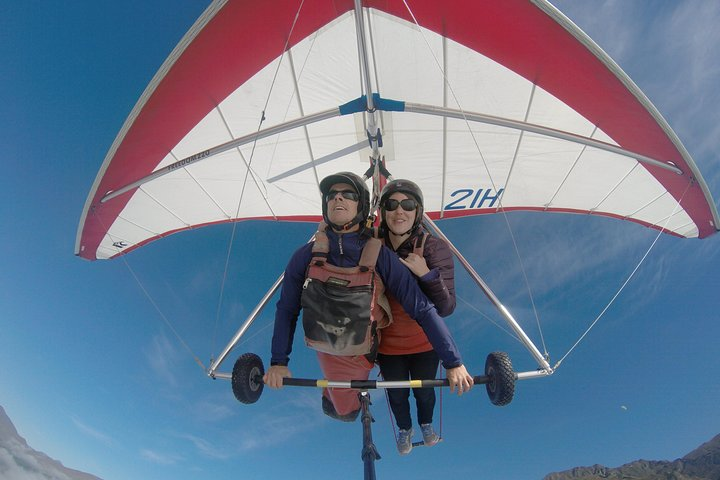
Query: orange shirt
[(404, 335)]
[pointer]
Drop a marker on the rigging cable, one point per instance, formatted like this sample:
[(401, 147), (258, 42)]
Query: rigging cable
[(151, 300), (247, 172), (487, 170), (632, 274)]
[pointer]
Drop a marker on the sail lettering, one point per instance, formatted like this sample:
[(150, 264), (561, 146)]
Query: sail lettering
[(465, 198), (187, 161)]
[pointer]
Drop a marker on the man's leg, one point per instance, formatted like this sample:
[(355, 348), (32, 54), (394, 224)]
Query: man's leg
[(334, 367)]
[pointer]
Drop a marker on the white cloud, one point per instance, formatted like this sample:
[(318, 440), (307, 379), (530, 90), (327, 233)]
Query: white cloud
[(20, 462)]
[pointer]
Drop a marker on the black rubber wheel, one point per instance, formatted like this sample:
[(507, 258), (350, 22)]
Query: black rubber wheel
[(247, 384), (501, 384)]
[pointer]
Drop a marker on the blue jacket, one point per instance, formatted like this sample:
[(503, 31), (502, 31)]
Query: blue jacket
[(345, 250)]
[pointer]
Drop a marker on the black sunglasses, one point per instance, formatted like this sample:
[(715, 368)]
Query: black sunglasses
[(408, 204), (346, 194)]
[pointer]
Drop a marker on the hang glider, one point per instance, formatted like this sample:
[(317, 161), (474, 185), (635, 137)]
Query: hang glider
[(485, 105)]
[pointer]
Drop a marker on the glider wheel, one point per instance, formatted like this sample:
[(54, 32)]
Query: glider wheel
[(501, 378), (247, 384)]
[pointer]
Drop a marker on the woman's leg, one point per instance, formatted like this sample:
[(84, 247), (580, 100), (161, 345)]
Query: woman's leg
[(423, 366), (395, 367)]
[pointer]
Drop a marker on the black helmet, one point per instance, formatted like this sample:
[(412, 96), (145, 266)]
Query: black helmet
[(360, 187), (408, 188)]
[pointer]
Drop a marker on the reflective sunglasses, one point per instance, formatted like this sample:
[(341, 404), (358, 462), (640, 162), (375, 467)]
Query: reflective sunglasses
[(346, 194), (408, 204)]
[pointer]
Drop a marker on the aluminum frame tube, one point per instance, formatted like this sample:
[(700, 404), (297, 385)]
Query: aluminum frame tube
[(372, 128), (238, 142), (532, 128), (241, 331), (512, 323)]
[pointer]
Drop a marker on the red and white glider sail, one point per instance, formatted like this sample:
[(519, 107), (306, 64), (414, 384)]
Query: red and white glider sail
[(483, 104)]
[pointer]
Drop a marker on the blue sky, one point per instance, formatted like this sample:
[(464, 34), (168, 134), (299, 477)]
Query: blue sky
[(92, 375)]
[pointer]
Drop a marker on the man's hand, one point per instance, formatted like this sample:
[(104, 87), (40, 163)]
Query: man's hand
[(460, 378), (273, 378)]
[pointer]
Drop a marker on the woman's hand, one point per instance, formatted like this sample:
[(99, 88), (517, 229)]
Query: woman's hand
[(416, 264)]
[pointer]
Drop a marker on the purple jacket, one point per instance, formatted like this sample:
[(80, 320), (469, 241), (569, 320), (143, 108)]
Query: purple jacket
[(345, 250)]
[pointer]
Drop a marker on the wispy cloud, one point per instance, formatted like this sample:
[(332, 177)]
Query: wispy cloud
[(160, 458), (213, 408), (163, 357), (283, 423), (205, 448), (92, 432)]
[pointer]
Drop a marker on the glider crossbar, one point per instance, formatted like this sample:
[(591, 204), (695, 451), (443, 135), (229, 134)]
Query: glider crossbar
[(382, 384), (512, 323), (375, 384)]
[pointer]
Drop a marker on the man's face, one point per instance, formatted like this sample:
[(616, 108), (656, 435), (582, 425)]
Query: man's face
[(341, 210)]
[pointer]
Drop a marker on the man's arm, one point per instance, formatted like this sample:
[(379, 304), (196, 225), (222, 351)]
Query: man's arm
[(286, 315), (288, 307), (401, 283)]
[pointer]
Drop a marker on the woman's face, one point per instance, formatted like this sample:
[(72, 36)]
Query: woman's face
[(399, 221)]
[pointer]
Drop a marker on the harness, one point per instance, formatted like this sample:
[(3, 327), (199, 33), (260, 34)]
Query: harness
[(343, 307), (419, 247)]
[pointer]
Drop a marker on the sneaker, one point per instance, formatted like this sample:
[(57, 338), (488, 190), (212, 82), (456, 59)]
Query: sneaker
[(430, 438), (404, 441)]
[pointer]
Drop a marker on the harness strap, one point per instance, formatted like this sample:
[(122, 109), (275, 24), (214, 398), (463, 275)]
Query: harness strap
[(368, 258), (370, 253), (321, 245)]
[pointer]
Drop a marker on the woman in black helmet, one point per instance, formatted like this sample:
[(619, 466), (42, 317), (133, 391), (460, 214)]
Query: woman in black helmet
[(405, 352)]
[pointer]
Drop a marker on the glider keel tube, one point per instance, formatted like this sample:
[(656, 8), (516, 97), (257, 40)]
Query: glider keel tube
[(238, 142)]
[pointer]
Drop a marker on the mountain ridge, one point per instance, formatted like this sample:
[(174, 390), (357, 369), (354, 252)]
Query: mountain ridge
[(703, 463), (19, 461)]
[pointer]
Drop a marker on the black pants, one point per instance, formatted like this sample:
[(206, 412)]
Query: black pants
[(416, 366)]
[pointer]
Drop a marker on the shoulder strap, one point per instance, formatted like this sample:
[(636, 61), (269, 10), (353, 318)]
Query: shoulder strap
[(370, 253), (321, 245)]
